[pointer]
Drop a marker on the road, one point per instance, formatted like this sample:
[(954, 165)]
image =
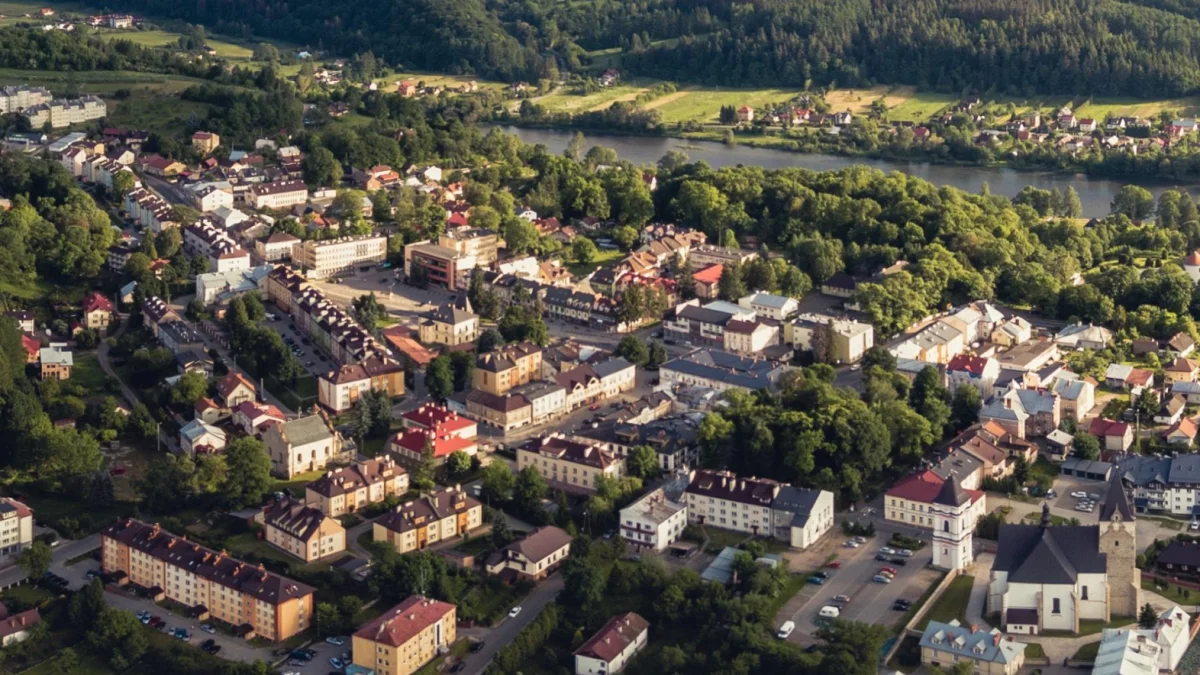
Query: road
[(507, 631), (102, 356), (168, 191), (12, 575)]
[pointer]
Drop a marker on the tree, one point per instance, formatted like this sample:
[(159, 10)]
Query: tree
[(583, 250), (964, 407), (368, 311), (642, 462), (498, 481), (458, 463), (249, 472), (672, 160), (321, 168), (1086, 446), (191, 387), (36, 560), (1147, 618), (879, 357), (488, 341), (731, 287), (123, 183), (67, 661), (575, 148), (658, 355), (328, 619), (583, 584), (439, 377), (422, 475), (463, 366), (529, 489), (1133, 201), (632, 349), (1072, 206), (119, 635)]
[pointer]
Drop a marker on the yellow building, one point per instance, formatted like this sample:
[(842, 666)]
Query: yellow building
[(205, 142), (449, 325), (406, 637), (254, 601), (417, 524), (350, 488), (302, 531), (497, 372), (569, 465)]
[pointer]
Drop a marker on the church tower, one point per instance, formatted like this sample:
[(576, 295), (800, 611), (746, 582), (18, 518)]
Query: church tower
[(1118, 542), (953, 535)]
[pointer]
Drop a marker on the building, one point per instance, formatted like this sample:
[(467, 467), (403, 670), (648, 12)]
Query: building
[(329, 257), (673, 439), (209, 198), (221, 287), (253, 417), (205, 142), (607, 652), (953, 527), (246, 596), (1080, 336), (509, 366), (442, 265), (15, 628), (1025, 413), (1029, 356), (990, 653), (1077, 396), (411, 445), (707, 281), (569, 465), (451, 324), (234, 389), (938, 343), (1126, 652), (302, 531), (301, 445), (1049, 577), (801, 516), (97, 311), (750, 337), (417, 524), (201, 437), (16, 528), (405, 638), (911, 501), (341, 389), (278, 195), (349, 489), (277, 247), (721, 371), (533, 557), (17, 98), (63, 112), (206, 238), (974, 371), (846, 340), (653, 522), (56, 363), (1170, 484), (770, 306), (1116, 436), (722, 499)]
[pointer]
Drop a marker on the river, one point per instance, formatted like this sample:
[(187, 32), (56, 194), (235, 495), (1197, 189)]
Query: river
[(1095, 193)]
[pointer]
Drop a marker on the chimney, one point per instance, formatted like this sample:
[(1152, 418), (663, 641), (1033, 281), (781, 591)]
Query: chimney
[(974, 628), (996, 639)]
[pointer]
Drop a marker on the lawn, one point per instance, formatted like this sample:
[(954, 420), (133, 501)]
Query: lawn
[(1085, 653), (791, 587), (27, 594), (1034, 650), (1169, 523), (1172, 593), (603, 257), (919, 107), (296, 483), (162, 38), (704, 104), (388, 82), (88, 665), (30, 291), (563, 101), (88, 374), (241, 544), (952, 604), (1101, 108), (476, 546), (457, 650)]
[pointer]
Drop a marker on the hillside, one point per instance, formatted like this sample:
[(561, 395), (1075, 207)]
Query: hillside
[(1145, 48)]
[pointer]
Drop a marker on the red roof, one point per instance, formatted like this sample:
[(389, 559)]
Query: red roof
[(1193, 259), (1101, 427), (436, 417), (414, 440), (1140, 377), (614, 638), (457, 220), (96, 301), (924, 487), (967, 362), (405, 621), (31, 344), (709, 275)]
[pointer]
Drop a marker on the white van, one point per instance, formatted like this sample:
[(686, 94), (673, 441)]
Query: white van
[(785, 630), (829, 612)]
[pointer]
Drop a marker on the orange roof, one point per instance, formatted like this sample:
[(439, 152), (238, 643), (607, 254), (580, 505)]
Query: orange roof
[(31, 344), (414, 440), (1185, 426), (1193, 259), (227, 385), (405, 621), (709, 275), (400, 338)]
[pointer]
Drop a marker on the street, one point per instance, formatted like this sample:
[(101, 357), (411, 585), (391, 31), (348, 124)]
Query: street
[(66, 550), (496, 638)]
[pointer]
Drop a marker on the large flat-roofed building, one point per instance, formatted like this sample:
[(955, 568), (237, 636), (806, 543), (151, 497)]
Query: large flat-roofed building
[(568, 464), (227, 285), (238, 593), (414, 525), (721, 371), (404, 638), (302, 531), (321, 259), (440, 264), (534, 557)]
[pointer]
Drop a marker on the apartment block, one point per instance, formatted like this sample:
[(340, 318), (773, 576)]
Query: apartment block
[(17, 99), (63, 113), (441, 515), (302, 531), (16, 528), (510, 366), (255, 601), (653, 522), (404, 638), (569, 465), (351, 488), (278, 195), (321, 259)]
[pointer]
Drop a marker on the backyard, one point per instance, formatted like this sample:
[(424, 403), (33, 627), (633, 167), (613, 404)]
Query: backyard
[(952, 604)]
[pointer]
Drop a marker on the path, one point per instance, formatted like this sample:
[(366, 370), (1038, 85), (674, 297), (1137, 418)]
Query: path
[(102, 356), (977, 604)]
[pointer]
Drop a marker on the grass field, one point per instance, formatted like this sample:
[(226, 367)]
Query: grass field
[(1085, 653), (99, 82), (147, 109), (88, 374), (163, 38), (952, 604), (704, 104)]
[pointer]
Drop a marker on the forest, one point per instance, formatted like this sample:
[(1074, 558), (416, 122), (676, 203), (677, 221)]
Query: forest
[(1107, 47)]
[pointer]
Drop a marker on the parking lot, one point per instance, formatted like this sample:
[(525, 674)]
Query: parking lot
[(870, 602), (309, 355)]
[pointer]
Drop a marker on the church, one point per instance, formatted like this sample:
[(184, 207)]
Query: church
[(1048, 577)]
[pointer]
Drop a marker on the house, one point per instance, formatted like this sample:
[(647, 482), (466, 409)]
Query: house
[(974, 371), (56, 363), (302, 531), (1026, 413), (707, 280), (32, 347), (771, 306), (438, 516), (205, 142), (653, 522), (193, 361), (618, 641), (234, 389), (412, 445), (405, 638), (277, 195), (745, 114), (507, 412), (1081, 336), (673, 439), (509, 366), (1180, 345), (15, 628), (24, 319), (801, 516), (721, 371), (1077, 396), (1180, 370), (1117, 436), (1048, 577), (451, 324), (840, 285), (750, 337), (1191, 390), (16, 528), (569, 465), (845, 340), (302, 445), (989, 652), (1171, 410), (253, 417), (349, 489), (1181, 433), (533, 557), (199, 436), (1013, 332), (937, 343), (909, 500)]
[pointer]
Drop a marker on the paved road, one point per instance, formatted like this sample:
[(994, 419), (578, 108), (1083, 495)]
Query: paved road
[(102, 356), (61, 554), (507, 631), (168, 191)]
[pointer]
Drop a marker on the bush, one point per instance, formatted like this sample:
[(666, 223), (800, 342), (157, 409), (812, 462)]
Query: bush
[(901, 541), (858, 529)]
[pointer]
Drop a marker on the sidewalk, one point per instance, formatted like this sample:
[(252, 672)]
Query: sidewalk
[(977, 604)]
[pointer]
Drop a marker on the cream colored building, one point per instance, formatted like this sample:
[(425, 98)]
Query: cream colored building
[(848, 340), (989, 652), (612, 647), (63, 113), (278, 195), (910, 501), (749, 337), (569, 465), (303, 531), (449, 325), (301, 445), (236, 592), (653, 522), (722, 499), (17, 98), (510, 366), (16, 528), (351, 488), (415, 525), (321, 259), (406, 637), (533, 557)]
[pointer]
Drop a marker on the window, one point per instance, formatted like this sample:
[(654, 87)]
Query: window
[(945, 526), (1084, 594), (1057, 609)]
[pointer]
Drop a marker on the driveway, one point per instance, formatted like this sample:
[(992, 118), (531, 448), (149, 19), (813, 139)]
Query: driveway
[(496, 638), (13, 574)]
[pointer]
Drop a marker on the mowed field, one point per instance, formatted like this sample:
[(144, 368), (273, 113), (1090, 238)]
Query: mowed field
[(163, 38), (388, 83), (98, 82)]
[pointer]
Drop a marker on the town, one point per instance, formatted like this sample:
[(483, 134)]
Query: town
[(331, 379)]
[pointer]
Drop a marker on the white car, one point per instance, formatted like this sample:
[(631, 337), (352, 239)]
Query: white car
[(852, 544), (1195, 525), (887, 551), (515, 611), (1078, 494)]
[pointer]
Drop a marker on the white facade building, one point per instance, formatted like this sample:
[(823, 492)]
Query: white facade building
[(321, 259), (653, 522)]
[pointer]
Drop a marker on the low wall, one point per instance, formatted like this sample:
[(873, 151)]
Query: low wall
[(924, 609)]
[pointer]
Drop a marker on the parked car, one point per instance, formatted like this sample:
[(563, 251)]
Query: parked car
[(886, 550), (1094, 497), (834, 564), (514, 612), (477, 647), (840, 600), (881, 579), (898, 561), (1078, 493), (336, 662), (901, 605), (881, 557), (207, 628), (337, 641), (860, 540), (904, 553), (852, 544), (890, 570), (458, 667), (823, 575), (820, 581)]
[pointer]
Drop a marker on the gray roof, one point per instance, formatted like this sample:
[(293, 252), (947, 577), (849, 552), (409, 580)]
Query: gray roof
[(1069, 390), (704, 315), (951, 494), (306, 430), (721, 569), (977, 646), (1185, 388), (1185, 469), (957, 465), (1115, 502), (770, 300), (796, 501), (1077, 465), (448, 313), (611, 367), (1146, 470), (754, 374), (1049, 555)]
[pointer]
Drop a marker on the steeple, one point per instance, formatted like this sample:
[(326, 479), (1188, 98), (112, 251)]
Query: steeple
[(1045, 515), (1116, 504)]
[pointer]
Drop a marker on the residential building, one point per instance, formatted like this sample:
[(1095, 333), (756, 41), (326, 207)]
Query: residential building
[(221, 287), (1029, 356), (616, 376), (1026, 413), (340, 389), (65, 112), (547, 400), (16, 528), (801, 516), (248, 597), (205, 142), (349, 489), (411, 445), (1180, 370), (209, 198), (24, 319), (1126, 652), (1077, 396), (301, 445), (910, 501), (1182, 433), (278, 195), (15, 628), (1080, 336), (706, 254), (252, 417), (937, 343), (451, 324), (1116, 436), (1171, 410), (721, 371), (417, 524), (722, 499), (974, 371), (989, 652), (1048, 577), (302, 531), (770, 306), (692, 324), (509, 366), (846, 340), (476, 246), (277, 247), (653, 522), (206, 238), (329, 257), (613, 646), (707, 280), (180, 337), (405, 638), (507, 412), (674, 439), (569, 465), (56, 363), (16, 99), (750, 337), (200, 437), (234, 389), (533, 557)]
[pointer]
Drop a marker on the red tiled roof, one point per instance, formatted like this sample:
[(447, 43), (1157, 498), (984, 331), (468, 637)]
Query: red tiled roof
[(709, 275), (405, 621), (924, 487), (31, 344), (230, 382), (1101, 427), (967, 362), (614, 638), (437, 417), (414, 440), (1185, 426), (1140, 377), (96, 301)]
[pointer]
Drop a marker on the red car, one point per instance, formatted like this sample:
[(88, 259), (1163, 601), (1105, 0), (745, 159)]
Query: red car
[(836, 564), (889, 570), (118, 470), (594, 407)]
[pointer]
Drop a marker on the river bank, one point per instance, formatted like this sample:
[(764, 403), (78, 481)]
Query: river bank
[(1095, 192)]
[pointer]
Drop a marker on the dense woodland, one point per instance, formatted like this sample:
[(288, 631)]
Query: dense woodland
[(1108, 47)]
